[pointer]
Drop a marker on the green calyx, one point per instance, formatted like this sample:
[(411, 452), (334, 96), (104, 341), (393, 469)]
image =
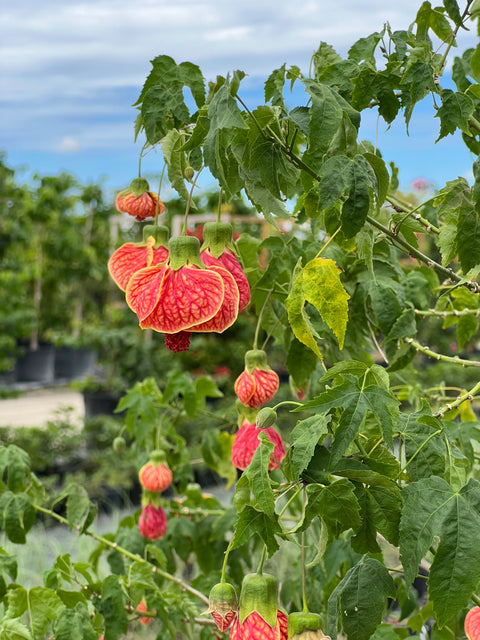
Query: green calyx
[(259, 593), (256, 359), (158, 457), (184, 250), (244, 413), (223, 598), (217, 236), (139, 186), (299, 623), (266, 417), (150, 497), (160, 234)]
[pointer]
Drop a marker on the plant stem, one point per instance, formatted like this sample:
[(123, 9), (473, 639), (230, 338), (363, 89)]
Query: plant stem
[(440, 356), (456, 403), (415, 253), (262, 560), (126, 553), (284, 402), (458, 313), (225, 559), (220, 197), (304, 588)]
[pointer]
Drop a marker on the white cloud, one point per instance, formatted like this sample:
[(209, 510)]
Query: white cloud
[(77, 60), (68, 145)]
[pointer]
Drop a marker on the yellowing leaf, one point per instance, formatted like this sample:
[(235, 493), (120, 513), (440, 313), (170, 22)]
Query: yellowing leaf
[(323, 289), (467, 414), (298, 319)]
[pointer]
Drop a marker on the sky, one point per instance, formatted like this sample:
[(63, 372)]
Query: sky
[(70, 71)]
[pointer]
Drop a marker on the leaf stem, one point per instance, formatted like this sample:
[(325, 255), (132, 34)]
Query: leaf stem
[(327, 242), (408, 212), (126, 553), (257, 328), (157, 207), (189, 201), (438, 432)]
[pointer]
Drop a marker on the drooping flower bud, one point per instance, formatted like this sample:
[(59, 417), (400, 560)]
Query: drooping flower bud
[(258, 383), (259, 616), (155, 476), (472, 624), (153, 522), (246, 443), (305, 626), (138, 201), (223, 605), (266, 417), (119, 444)]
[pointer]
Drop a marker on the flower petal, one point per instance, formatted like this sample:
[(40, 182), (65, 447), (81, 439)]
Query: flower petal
[(188, 296), (228, 312), (129, 258), (229, 261), (244, 387), (143, 290)]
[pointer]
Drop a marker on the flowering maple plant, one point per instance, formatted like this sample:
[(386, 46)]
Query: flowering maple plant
[(361, 475)]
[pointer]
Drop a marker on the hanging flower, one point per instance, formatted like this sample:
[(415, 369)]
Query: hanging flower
[(246, 443), (472, 624), (138, 201), (259, 616), (305, 626), (155, 475), (258, 383), (153, 522), (223, 605), (218, 249), (183, 294), (131, 257)]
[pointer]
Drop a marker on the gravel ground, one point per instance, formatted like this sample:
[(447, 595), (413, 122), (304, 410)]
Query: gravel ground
[(34, 408)]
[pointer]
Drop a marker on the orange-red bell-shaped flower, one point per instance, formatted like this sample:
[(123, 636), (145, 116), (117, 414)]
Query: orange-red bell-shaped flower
[(472, 624), (182, 294), (153, 522), (246, 443), (155, 476), (258, 383), (138, 201)]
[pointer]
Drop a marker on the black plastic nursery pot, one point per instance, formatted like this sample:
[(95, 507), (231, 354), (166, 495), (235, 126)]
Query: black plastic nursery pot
[(100, 403), (71, 364), (36, 365)]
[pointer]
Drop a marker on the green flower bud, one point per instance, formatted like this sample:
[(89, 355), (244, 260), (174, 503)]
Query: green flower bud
[(266, 417)]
